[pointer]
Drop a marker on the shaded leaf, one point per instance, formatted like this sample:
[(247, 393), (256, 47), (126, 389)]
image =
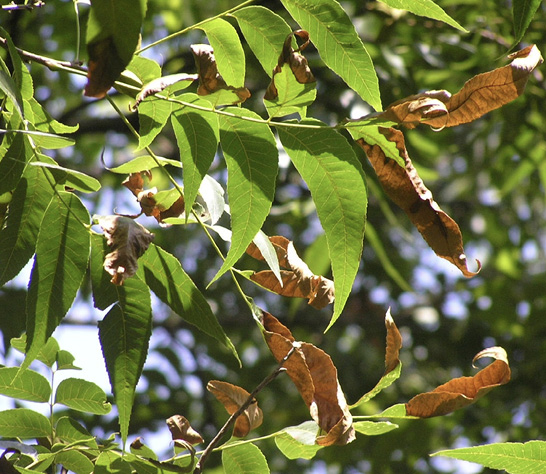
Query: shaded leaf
[(407, 190), (127, 240), (48, 352), (159, 84), (523, 12), (49, 141), (62, 253), (315, 377), (180, 428), (480, 95), (426, 8), (15, 151), (393, 366), (298, 281), (329, 166), (82, 395), (462, 391), (70, 431), (139, 448), (23, 423), (233, 398), (112, 36), (74, 461), (143, 163), (244, 459), (110, 462), (264, 32), (514, 458), (70, 178), (339, 45), (24, 384), (170, 283), (210, 80), (251, 155)]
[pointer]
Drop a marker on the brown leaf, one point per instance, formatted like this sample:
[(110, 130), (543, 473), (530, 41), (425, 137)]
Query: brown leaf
[(394, 344), (315, 377), (210, 80), (480, 95), (233, 397), (159, 84), (128, 240), (180, 428), (407, 190), (293, 57), (147, 198), (105, 66), (462, 391), (298, 281)]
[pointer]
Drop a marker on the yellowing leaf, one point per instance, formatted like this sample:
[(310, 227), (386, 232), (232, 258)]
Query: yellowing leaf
[(315, 377), (407, 190), (128, 240), (180, 428), (462, 391), (298, 281), (233, 398)]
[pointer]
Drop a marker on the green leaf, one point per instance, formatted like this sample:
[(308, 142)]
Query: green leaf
[(41, 119), (74, 461), (523, 12), (46, 140), (70, 431), (83, 396), (197, 135), (374, 428), (339, 45), (514, 458), (144, 68), (65, 361), (383, 383), (143, 163), (252, 159), (371, 135), (105, 293), (23, 423), (327, 163), (153, 114), (21, 75), (110, 462), (12, 88), (426, 8), (20, 231), (244, 459), (24, 384), (124, 336), (293, 97), (170, 283), (396, 411), (228, 51), (62, 253), (264, 32), (15, 152), (70, 178), (299, 442), (48, 352)]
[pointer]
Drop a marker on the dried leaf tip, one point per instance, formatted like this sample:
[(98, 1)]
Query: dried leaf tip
[(388, 318), (495, 352)]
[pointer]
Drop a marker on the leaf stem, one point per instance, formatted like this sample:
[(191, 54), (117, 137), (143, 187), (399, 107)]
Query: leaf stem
[(192, 27), (227, 425)]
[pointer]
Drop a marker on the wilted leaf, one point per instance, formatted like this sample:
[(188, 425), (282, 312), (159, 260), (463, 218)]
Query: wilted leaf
[(128, 240), (210, 80), (298, 281), (180, 428), (315, 377), (462, 391), (296, 61), (158, 205), (407, 190), (159, 84), (480, 95), (233, 397)]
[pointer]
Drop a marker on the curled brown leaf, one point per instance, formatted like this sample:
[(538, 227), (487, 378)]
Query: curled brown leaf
[(210, 80), (233, 398), (298, 281), (315, 376), (462, 391), (128, 241), (105, 66), (394, 344), (181, 429), (159, 84), (407, 190)]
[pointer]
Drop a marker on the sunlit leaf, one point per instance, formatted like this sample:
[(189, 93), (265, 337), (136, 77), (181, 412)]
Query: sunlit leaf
[(329, 166), (110, 462), (298, 442), (24, 384), (374, 428), (74, 461), (244, 459), (23, 423), (48, 352), (71, 178), (82, 395), (144, 163), (15, 151), (70, 431)]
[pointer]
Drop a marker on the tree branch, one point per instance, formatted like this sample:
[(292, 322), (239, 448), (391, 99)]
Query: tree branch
[(27, 6), (208, 450)]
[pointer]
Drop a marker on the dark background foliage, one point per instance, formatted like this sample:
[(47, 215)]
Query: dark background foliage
[(488, 175)]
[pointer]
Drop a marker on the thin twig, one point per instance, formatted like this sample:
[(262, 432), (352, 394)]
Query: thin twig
[(27, 6), (212, 445)]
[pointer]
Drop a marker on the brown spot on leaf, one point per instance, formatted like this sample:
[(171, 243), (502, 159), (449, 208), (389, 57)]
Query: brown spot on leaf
[(298, 281), (105, 66), (181, 429), (315, 376), (407, 190), (296, 60), (462, 391), (233, 398)]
